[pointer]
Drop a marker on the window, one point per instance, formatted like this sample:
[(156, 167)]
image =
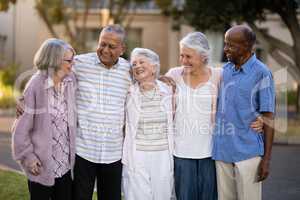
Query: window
[(92, 37), (261, 54), (134, 39), (2, 47)]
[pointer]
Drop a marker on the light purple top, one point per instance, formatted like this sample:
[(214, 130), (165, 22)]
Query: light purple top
[(33, 132), (59, 123)]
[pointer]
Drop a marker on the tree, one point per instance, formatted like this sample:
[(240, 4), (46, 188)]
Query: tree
[(218, 14), (4, 4), (73, 15)]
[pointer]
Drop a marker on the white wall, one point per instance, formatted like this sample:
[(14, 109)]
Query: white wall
[(25, 32), (6, 28)]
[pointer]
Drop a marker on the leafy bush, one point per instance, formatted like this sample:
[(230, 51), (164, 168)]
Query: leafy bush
[(9, 74), (7, 98), (292, 97)]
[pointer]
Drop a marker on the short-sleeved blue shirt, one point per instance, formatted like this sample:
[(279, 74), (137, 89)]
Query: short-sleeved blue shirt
[(243, 95)]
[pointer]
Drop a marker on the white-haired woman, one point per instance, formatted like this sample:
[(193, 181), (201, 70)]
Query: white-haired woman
[(44, 135), (148, 144), (196, 95)]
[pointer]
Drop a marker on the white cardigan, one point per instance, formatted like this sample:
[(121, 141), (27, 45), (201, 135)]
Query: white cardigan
[(132, 113)]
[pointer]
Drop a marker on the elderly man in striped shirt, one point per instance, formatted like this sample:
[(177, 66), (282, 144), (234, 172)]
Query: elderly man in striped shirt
[(103, 81)]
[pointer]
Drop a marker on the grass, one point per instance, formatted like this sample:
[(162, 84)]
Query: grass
[(13, 186)]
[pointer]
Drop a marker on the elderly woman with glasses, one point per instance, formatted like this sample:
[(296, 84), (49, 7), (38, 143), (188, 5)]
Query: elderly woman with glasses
[(148, 144), (44, 135)]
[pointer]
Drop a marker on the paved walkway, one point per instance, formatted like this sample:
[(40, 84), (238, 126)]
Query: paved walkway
[(6, 123), (5, 152), (284, 180)]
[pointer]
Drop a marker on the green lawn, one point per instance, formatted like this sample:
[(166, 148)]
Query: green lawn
[(13, 186)]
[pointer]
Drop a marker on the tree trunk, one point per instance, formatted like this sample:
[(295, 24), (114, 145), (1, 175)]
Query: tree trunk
[(298, 99), (289, 17), (297, 52), (87, 4), (42, 13)]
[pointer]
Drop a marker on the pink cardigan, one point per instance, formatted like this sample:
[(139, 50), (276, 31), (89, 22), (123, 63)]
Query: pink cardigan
[(32, 133)]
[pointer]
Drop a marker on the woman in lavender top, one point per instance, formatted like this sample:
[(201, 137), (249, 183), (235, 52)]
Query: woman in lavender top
[(44, 135)]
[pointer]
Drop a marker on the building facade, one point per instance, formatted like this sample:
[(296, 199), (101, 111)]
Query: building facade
[(22, 31)]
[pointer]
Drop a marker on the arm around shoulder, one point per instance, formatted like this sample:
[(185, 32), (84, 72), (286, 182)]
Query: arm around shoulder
[(174, 73)]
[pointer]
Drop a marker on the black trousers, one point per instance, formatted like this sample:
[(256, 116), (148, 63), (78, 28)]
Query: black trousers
[(108, 180), (61, 190)]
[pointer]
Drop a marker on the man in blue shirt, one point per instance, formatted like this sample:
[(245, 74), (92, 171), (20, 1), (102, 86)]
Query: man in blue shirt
[(247, 91)]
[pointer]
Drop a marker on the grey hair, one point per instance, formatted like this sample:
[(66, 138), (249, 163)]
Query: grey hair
[(198, 42), (115, 28), (150, 55), (50, 55)]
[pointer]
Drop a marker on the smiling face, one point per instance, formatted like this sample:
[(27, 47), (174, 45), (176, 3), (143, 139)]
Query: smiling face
[(110, 48), (66, 65), (236, 48), (190, 59), (143, 70)]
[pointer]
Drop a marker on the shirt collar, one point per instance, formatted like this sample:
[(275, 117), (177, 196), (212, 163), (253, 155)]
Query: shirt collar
[(98, 62), (246, 67), (50, 82)]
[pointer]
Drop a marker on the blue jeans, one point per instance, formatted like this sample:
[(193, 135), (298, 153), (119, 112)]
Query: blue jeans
[(195, 179)]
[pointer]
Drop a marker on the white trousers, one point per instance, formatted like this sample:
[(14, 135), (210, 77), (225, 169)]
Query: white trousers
[(238, 181), (152, 178)]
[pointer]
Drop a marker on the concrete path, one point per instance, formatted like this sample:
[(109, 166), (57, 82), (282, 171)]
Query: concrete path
[(284, 180), (5, 152)]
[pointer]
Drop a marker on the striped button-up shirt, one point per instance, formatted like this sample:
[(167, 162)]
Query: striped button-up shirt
[(100, 106)]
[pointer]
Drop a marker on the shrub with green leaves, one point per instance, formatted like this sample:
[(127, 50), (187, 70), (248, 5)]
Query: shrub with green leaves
[(8, 76), (7, 98)]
